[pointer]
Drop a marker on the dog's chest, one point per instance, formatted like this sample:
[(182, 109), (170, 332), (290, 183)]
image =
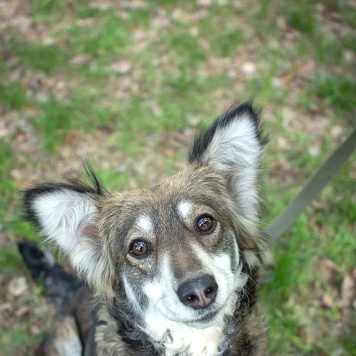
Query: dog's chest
[(194, 342), (179, 339)]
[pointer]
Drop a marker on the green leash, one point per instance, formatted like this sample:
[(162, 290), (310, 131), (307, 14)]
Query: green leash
[(326, 172)]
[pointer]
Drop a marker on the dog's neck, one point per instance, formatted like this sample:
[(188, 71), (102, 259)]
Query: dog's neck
[(153, 334)]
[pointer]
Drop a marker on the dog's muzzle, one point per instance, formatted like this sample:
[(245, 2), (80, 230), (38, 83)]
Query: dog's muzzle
[(198, 293)]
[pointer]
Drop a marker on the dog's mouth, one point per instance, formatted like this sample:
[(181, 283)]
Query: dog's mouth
[(207, 317), (204, 318)]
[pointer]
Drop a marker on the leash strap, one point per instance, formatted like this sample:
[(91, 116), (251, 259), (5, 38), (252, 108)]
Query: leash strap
[(326, 172)]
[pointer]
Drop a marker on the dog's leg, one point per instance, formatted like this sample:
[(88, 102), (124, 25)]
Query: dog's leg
[(63, 339)]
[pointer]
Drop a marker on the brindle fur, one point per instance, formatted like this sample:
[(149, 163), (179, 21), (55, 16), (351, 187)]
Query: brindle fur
[(117, 328)]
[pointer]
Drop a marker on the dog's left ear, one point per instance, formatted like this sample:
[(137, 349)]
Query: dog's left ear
[(233, 146), (68, 216)]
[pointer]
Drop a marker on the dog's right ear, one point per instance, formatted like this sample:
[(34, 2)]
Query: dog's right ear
[(233, 146), (67, 215)]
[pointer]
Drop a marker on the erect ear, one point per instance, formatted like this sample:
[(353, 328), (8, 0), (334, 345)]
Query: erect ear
[(67, 215), (233, 146)]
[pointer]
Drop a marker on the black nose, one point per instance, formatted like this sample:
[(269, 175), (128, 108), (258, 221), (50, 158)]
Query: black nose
[(198, 293)]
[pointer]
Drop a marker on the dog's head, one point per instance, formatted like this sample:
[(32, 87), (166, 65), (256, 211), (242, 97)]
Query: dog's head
[(181, 248)]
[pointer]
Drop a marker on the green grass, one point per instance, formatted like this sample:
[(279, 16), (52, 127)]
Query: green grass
[(45, 58), (17, 340), (173, 89), (10, 260), (52, 11), (8, 186), (110, 37), (320, 233), (227, 44), (302, 18), (12, 95), (337, 91), (44, 9), (186, 48), (11, 222), (55, 120)]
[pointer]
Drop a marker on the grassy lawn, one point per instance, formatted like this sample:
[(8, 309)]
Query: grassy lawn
[(127, 84)]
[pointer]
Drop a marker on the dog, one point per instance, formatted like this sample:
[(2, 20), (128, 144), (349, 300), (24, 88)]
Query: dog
[(173, 268)]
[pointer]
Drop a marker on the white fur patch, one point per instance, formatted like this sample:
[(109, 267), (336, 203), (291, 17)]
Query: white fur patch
[(184, 209), (145, 224), (131, 296), (178, 338)]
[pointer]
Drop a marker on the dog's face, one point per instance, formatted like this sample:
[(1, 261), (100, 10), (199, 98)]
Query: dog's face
[(177, 244), (176, 249)]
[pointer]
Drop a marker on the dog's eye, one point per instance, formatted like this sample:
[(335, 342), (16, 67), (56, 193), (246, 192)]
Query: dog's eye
[(140, 248), (205, 224)]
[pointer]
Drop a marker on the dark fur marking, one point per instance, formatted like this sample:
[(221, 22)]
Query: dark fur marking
[(235, 324), (101, 322), (60, 286), (137, 340)]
